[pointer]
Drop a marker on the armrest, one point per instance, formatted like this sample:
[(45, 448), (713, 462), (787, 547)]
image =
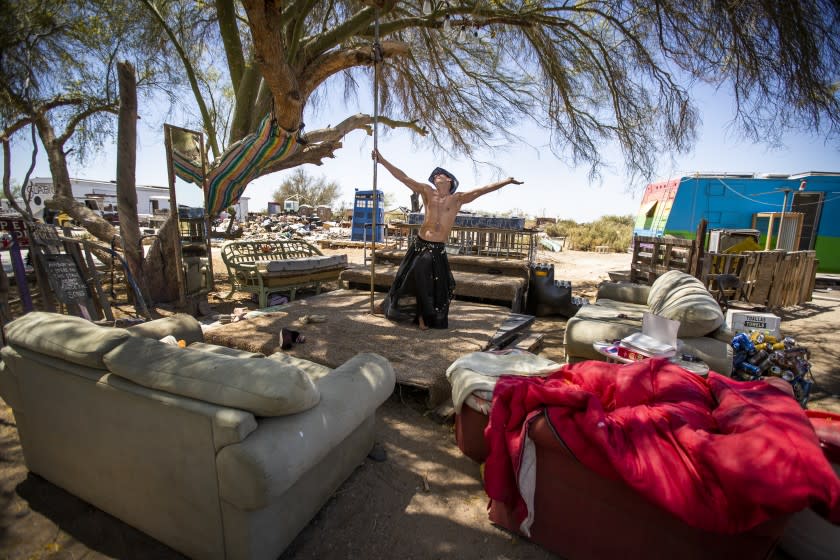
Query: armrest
[(282, 448), (723, 334), (624, 291), (9, 390), (365, 378)]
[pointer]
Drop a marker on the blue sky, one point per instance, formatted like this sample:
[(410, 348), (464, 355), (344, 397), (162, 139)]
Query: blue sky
[(552, 188)]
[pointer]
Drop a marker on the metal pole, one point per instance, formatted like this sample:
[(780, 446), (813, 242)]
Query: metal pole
[(377, 57)]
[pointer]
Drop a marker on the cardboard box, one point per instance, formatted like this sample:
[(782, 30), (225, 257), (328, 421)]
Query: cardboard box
[(746, 321)]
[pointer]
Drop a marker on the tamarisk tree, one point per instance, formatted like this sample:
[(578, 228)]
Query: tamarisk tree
[(590, 72)]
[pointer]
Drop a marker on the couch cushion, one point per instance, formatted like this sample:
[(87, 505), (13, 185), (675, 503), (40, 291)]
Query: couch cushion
[(314, 370), (603, 320), (308, 264), (263, 387), (224, 350), (683, 298), (181, 326), (65, 337), (610, 310), (582, 332), (624, 291)]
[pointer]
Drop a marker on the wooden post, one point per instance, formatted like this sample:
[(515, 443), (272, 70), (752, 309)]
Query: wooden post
[(700, 249), (173, 215)]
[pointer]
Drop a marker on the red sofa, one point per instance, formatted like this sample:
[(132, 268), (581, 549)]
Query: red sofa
[(809, 536), (580, 515)]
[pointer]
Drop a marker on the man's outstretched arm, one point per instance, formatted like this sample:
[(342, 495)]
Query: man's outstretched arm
[(399, 174), (469, 196)]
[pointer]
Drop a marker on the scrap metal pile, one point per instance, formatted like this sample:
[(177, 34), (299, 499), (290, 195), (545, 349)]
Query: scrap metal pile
[(287, 227), (759, 355)]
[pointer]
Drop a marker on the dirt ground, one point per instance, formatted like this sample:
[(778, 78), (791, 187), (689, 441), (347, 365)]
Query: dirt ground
[(424, 501)]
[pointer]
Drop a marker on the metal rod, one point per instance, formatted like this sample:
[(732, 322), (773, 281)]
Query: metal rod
[(376, 59)]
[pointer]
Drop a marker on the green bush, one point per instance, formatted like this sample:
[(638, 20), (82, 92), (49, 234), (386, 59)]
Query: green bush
[(616, 232)]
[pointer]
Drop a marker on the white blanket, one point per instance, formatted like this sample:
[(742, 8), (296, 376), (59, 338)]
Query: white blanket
[(480, 370)]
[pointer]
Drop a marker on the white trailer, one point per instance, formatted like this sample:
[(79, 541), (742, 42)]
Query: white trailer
[(100, 196)]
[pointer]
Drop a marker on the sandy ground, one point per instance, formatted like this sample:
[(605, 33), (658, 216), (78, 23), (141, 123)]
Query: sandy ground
[(424, 501)]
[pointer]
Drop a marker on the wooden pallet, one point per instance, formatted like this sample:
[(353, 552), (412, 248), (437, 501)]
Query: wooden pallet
[(772, 279), (654, 256)]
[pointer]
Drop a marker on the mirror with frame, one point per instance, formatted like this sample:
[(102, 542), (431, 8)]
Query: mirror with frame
[(187, 164)]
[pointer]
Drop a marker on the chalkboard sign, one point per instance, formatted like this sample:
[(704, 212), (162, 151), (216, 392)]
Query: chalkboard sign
[(66, 280)]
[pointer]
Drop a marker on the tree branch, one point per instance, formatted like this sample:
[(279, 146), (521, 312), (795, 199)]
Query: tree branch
[(188, 68), (74, 121), (265, 19), (229, 31), (324, 142), (334, 62), (359, 121), (354, 24)]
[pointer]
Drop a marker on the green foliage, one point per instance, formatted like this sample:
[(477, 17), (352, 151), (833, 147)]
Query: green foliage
[(307, 190), (58, 62), (616, 232)]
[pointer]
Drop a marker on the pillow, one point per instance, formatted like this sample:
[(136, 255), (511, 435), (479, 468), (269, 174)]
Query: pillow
[(65, 337), (663, 286), (262, 387), (683, 298)]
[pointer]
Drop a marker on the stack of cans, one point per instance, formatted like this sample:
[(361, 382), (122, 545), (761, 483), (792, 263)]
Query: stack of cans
[(759, 355)]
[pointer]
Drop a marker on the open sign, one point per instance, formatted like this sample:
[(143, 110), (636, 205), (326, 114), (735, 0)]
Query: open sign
[(13, 228)]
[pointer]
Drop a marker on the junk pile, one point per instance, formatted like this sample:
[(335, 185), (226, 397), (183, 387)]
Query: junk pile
[(759, 355), (283, 227)]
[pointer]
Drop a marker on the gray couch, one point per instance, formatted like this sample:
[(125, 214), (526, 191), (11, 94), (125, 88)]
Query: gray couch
[(619, 307), (215, 452)]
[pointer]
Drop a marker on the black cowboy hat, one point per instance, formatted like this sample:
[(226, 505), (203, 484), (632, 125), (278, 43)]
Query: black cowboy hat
[(442, 171)]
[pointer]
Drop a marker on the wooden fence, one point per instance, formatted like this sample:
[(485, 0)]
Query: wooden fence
[(773, 279)]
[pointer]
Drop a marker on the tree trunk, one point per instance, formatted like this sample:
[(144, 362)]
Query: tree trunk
[(63, 198), (159, 270), (126, 165)]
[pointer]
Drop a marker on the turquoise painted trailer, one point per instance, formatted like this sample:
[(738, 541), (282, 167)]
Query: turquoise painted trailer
[(797, 212)]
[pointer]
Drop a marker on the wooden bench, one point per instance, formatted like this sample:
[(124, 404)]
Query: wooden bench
[(480, 278), (263, 267)]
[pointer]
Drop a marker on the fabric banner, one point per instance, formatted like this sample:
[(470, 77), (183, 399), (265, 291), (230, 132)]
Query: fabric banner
[(186, 168), (244, 161)]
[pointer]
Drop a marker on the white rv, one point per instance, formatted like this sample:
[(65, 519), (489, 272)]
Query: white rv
[(99, 196)]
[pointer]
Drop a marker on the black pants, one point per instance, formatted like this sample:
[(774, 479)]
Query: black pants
[(423, 286)]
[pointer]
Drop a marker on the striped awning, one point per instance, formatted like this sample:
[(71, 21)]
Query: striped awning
[(244, 162)]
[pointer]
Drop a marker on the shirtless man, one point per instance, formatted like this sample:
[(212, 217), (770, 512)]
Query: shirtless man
[(424, 284)]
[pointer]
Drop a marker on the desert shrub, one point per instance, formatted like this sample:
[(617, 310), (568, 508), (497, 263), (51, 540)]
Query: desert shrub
[(616, 232)]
